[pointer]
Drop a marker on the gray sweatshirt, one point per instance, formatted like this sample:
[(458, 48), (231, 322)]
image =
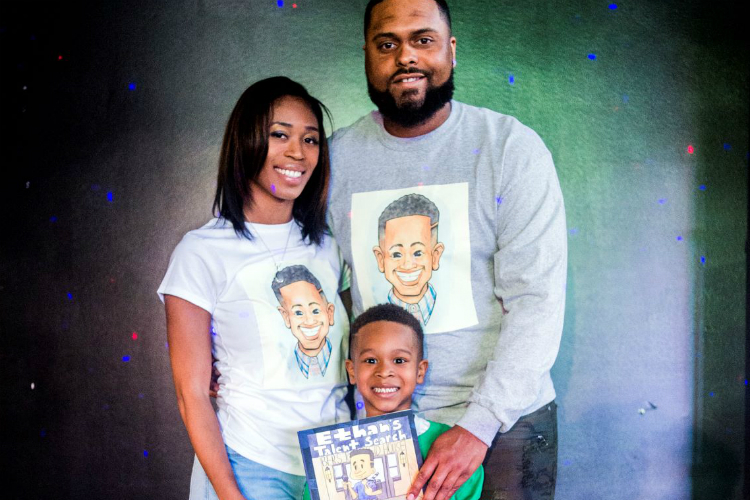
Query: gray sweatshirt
[(463, 227)]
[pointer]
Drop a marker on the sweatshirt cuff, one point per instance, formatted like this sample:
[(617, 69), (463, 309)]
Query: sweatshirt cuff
[(481, 422)]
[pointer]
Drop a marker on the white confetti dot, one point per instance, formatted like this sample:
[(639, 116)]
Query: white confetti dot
[(32, 386)]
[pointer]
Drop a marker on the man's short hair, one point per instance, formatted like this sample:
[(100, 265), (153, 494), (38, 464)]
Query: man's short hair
[(293, 274), (410, 204), (362, 451), (445, 12), (387, 312)]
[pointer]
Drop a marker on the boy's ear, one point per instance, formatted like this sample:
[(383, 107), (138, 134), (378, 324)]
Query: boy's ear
[(422, 370), (350, 371)]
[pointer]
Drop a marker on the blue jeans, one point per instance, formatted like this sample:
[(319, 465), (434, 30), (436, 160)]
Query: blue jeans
[(256, 481)]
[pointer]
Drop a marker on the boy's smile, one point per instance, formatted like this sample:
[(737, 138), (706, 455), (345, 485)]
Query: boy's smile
[(386, 366)]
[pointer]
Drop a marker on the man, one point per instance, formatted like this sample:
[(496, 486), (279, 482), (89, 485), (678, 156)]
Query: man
[(408, 251), (491, 376), (308, 314)]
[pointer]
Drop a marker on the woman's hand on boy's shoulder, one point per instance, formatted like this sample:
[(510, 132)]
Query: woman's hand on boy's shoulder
[(452, 459)]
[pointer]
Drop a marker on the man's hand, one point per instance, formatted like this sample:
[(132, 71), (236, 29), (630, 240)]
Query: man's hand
[(452, 459)]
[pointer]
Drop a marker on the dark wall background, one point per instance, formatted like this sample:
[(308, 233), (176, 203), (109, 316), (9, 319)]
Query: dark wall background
[(112, 115)]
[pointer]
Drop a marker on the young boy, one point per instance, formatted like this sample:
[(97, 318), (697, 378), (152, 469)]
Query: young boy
[(386, 364)]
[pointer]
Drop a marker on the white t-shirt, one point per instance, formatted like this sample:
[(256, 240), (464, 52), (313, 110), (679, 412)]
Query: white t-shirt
[(272, 384)]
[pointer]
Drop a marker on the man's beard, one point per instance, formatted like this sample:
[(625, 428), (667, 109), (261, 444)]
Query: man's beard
[(412, 113)]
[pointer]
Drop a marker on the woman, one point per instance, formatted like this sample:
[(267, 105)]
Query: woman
[(258, 288)]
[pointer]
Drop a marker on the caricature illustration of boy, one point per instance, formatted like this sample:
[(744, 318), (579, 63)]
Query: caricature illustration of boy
[(408, 252), (366, 486), (308, 314)]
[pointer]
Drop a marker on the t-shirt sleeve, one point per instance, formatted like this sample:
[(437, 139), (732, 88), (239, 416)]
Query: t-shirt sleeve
[(306, 493), (189, 275)]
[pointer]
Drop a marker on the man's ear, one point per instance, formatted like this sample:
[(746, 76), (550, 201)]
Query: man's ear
[(350, 370), (330, 309), (422, 370), (379, 257), (437, 252), (285, 315)]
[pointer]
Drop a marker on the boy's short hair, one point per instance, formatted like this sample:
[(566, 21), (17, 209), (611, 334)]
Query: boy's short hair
[(387, 312)]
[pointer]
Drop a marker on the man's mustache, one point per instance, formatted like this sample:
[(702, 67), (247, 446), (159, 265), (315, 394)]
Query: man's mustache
[(412, 71)]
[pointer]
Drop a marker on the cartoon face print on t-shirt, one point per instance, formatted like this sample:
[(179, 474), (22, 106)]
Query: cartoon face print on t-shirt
[(307, 313)]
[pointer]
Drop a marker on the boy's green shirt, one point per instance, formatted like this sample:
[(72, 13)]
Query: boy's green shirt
[(470, 490)]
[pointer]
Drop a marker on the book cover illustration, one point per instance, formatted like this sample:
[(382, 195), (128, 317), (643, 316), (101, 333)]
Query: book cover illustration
[(369, 459)]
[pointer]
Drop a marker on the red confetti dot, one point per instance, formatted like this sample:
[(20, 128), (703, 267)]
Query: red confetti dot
[(59, 58), (294, 5), (135, 335), (690, 149)]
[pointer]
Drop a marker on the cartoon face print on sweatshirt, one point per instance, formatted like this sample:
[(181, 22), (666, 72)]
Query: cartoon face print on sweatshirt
[(411, 248)]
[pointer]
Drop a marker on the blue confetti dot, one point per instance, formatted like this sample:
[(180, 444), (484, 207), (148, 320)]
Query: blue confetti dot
[(140, 395), (662, 201), (512, 79), (53, 219), (126, 358), (612, 6), (43, 432), (70, 296), (475, 151), (711, 393), (745, 381), (273, 188), (702, 187), (145, 453), (131, 86), (574, 231), (280, 3), (592, 57), (625, 98), (498, 199), (110, 196), (679, 238), (703, 260), (360, 405), (727, 146)]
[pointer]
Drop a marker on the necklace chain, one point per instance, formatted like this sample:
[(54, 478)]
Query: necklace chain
[(286, 245)]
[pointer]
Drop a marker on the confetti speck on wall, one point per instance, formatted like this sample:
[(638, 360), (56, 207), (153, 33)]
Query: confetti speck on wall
[(32, 386), (679, 238), (70, 296), (110, 196), (280, 3), (131, 86), (613, 6), (702, 187), (662, 201), (135, 336), (126, 358), (690, 149), (512, 80), (592, 57)]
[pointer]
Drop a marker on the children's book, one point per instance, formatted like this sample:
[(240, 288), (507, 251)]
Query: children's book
[(369, 459)]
